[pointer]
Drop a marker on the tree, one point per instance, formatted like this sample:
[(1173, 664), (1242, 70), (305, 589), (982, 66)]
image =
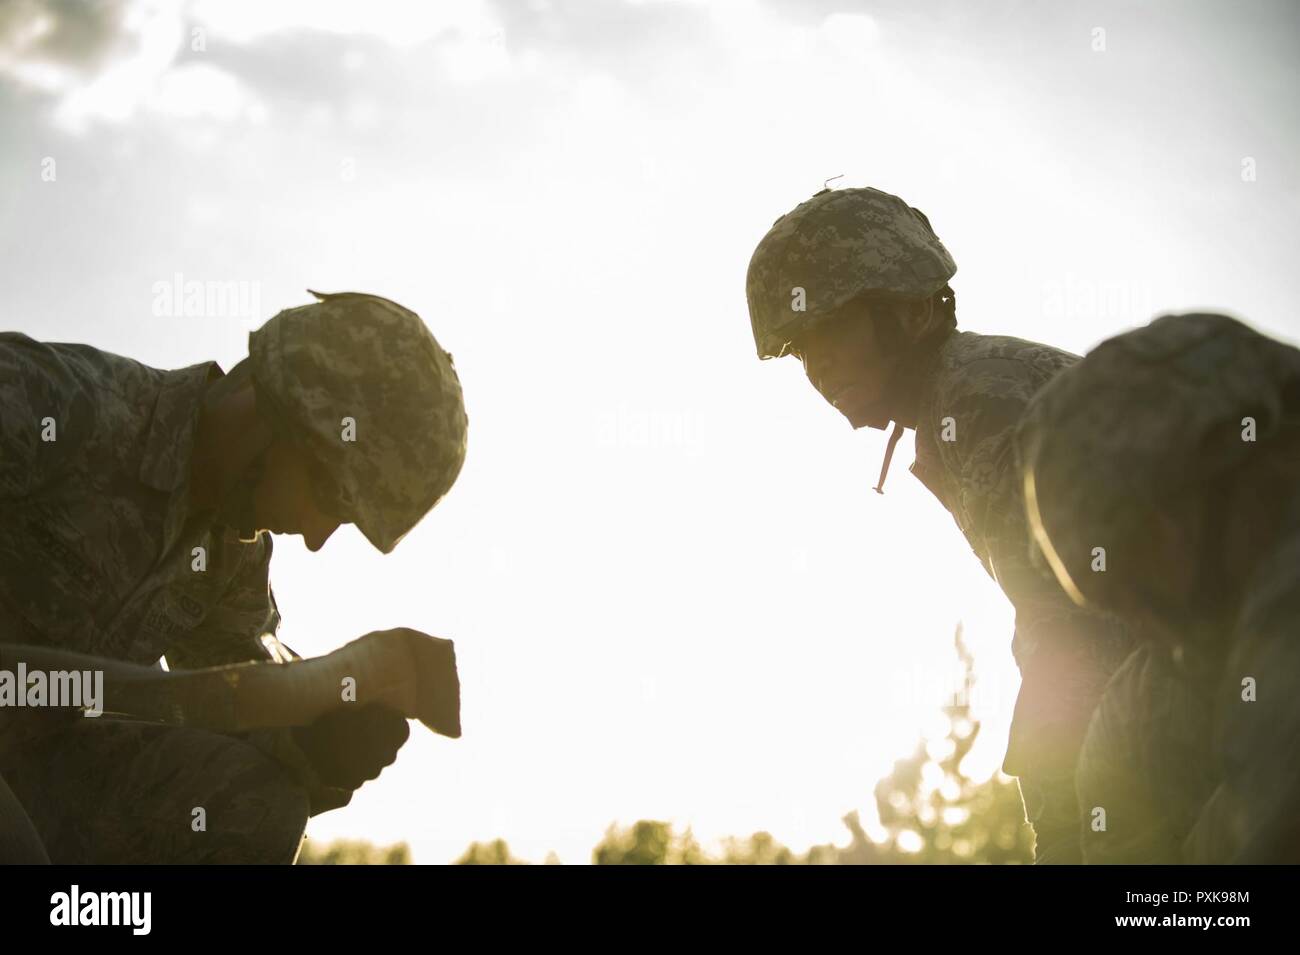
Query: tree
[(353, 852), (956, 821), (647, 842), (495, 852)]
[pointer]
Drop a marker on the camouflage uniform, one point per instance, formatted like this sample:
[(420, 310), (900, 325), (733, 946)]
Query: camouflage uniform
[(1143, 762), (98, 555), (96, 548), (819, 260), (1065, 654), (19, 842), (1253, 814), (1147, 433)]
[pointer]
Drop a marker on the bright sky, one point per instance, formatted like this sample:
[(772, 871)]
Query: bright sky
[(672, 591)]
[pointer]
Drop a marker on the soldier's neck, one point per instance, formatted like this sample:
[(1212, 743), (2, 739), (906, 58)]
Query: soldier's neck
[(911, 383), (229, 437)]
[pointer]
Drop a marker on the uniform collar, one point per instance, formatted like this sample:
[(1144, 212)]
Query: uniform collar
[(165, 463)]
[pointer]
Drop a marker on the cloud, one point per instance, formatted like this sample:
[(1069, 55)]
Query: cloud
[(109, 61), (49, 44), (100, 61), (194, 90), (399, 23)]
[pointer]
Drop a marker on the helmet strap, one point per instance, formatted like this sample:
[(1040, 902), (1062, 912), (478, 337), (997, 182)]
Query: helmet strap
[(889, 454)]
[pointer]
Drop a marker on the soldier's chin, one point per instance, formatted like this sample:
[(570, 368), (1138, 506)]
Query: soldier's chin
[(861, 417)]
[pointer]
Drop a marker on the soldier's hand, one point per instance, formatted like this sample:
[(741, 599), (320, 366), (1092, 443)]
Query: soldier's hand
[(351, 746), (411, 671)]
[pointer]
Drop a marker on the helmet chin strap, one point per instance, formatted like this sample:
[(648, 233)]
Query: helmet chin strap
[(889, 454), (912, 369)]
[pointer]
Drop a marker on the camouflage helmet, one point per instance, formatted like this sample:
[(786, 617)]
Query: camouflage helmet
[(836, 246), (361, 384), (1148, 422)]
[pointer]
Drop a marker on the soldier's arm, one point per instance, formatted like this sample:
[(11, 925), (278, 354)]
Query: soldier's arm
[(1252, 817), (338, 751), (404, 670), (244, 627), (1065, 655)]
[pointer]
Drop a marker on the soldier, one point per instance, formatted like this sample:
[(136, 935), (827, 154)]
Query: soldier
[(854, 284), (1160, 482), (135, 509)]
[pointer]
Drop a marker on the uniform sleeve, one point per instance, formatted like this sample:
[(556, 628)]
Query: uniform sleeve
[(45, 415), (1065, 654)]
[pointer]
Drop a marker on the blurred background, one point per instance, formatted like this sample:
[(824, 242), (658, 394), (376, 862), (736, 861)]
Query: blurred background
[(679, 610)]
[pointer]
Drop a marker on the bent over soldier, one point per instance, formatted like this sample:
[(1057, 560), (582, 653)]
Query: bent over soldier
[(1161, 480), (134, 510), (854, 284)]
